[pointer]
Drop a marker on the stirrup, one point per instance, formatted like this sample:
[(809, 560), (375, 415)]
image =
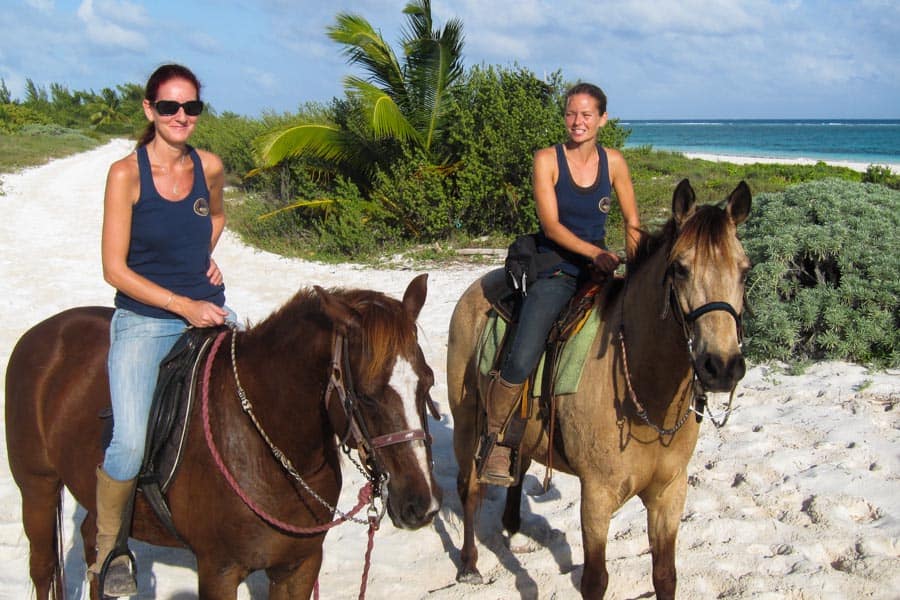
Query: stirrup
[(485, 446), (118, 578)]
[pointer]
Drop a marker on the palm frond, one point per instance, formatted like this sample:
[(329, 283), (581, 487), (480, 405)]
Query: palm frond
[(383, 114), (317, 140), (365, 47), (434, 66), (296, 205)]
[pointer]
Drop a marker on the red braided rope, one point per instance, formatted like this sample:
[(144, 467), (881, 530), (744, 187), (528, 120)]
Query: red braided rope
[(373, 527), (364, 496)]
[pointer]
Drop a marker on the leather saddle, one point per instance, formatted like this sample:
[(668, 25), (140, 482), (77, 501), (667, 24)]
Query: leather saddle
[(169, 418), (507, 302)]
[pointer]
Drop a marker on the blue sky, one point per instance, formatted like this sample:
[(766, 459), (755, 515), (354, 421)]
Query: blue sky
[(680, 59)]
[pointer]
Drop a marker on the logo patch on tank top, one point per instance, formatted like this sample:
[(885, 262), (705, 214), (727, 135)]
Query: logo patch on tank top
[(201, 207), (604, 204)]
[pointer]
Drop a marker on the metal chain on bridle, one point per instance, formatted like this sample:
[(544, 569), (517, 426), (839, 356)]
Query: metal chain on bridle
[(698, 404), (370, 467)]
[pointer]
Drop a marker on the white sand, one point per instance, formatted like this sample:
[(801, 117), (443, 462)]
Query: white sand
[(861, 167), (797, 497)]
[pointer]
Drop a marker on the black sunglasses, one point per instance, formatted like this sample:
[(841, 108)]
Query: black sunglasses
[(167, 108)]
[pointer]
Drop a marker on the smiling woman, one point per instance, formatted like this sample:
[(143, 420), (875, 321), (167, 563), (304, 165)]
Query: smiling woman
[(162, 218)]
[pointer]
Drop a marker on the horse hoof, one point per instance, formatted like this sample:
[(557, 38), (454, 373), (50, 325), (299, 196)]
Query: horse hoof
[(470, 576), (521, 544)]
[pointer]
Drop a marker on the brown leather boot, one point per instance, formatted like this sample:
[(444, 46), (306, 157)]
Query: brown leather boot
[(112, 496), (501, 399)]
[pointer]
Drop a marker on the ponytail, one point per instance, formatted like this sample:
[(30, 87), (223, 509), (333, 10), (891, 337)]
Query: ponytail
[(147, 136)]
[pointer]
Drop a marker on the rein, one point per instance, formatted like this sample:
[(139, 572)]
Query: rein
[(698, 404), (365, 495), (371, 468)]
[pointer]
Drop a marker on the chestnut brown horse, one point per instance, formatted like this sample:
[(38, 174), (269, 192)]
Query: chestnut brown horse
[(669, 332), (329, 364)]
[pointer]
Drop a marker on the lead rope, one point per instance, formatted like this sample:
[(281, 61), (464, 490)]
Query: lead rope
[(632, 395), (364, 497)]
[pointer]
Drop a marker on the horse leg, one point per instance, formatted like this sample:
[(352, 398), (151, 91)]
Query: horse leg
[(512, 513), (217, 581), (664, 510), (470, 495), (89, 539), (298, 583), (597, 506), (41, 503)]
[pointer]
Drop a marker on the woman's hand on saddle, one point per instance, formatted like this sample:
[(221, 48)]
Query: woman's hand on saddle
[(214, 274), (606, 261)]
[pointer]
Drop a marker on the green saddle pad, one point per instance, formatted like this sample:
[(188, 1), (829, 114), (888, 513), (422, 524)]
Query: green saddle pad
[(571, 360)]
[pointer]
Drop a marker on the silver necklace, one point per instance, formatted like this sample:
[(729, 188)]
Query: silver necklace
[(175, 175)]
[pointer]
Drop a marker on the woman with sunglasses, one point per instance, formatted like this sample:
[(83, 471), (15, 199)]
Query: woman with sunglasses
[(162, 216)]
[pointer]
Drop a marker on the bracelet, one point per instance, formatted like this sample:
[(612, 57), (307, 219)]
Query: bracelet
[(169, 301)]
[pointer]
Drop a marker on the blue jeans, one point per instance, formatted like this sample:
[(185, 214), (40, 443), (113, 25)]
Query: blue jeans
[(546, 298), (137, 346)]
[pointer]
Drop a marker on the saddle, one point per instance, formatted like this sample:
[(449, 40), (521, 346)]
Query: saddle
[(167, 427), (541, 387)]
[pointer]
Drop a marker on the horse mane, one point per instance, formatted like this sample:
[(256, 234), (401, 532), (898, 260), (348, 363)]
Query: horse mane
[(385, 328), (706, 231)]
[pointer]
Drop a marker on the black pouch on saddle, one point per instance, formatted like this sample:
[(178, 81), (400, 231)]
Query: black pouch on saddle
[(524, 262)]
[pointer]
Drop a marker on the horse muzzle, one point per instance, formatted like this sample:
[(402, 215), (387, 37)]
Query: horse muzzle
[(719, 373), (413, 508)]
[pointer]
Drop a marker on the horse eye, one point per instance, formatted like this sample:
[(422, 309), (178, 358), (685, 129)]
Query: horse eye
[(680, 271)]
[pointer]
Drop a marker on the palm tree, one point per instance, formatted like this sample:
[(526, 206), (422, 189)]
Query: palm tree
[(107, 109), (397, 103)]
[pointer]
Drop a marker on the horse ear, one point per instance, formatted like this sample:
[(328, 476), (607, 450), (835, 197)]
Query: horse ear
[(341, 314), (739, 203), (683, 201), (414, 296)]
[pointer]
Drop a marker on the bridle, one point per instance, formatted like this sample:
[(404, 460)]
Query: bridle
[(371, 468), (698, 405), (340, 382)]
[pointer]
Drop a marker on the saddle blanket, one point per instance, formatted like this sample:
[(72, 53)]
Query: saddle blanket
[(571, 359)]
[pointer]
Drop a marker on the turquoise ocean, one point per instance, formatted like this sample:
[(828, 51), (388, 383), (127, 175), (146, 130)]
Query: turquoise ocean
[(829, 140)]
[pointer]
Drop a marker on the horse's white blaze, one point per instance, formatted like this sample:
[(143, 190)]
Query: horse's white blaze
[(404, 381)]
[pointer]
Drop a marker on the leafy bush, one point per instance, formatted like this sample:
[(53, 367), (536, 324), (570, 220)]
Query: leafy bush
[(13, 117), (413, 195), (502, 116), (882, 174), (230, 136), (826, 277)]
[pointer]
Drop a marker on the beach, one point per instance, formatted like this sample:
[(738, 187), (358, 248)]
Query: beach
[(860, 167), (797, 497)]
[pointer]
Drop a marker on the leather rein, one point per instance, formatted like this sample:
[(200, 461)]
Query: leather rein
[(372, 468), (341, 384), (698, 404)]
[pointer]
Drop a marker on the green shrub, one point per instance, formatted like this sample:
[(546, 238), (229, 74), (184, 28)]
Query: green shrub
[(414, 198), (13, 117), (826, 277), (230, 136), (882, 174)]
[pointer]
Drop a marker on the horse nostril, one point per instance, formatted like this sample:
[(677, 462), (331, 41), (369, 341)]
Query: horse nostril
[(713, 366), (737, 367)]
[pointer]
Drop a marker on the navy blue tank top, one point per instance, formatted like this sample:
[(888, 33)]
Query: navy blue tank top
[(170, 241), (583, 210)]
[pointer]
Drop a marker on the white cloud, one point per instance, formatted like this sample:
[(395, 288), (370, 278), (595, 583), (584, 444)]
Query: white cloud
[(102, 25), (44, 6)]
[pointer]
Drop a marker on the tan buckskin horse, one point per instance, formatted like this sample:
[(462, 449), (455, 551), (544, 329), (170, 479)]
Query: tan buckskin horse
[(669, 331), (327, 365)]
